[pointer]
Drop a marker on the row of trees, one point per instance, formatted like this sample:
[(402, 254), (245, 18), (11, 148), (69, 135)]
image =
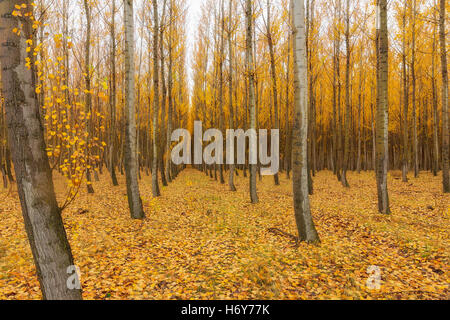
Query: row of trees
[(342, 81)]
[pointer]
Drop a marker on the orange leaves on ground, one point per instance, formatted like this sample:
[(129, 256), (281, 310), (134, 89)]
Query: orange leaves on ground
[(201, 241)]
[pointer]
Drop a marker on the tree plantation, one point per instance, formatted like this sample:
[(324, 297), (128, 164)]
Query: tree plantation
[(224, 149)]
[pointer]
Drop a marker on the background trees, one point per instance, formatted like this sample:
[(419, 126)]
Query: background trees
[(82, 98), (306, 229), (130, 144)]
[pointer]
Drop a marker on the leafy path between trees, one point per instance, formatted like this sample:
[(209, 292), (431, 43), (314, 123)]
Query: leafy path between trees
[(201, 241)]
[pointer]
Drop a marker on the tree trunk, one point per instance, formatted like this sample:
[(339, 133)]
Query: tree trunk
[(435, 166), (251, 91), (445, 113), (163, 97), (88, 96), (221, 59), (414, 102), (339, 118), (113, 97), (155, 185), (274, 78), (405, 101), (170, 94), (382, 126), (347, 100), (306, 229), (360, 107), (287, 149), (42, 216), (131, 165), (230, 91)]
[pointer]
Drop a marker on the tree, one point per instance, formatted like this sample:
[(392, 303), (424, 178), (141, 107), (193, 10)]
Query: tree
[(43, 222), (88, 94), (163, 96), (221, 82), (287, 152), (131, 165), (445, 113), (435, 103), (405, 99), (155, 185), (250, 67), (414, 97), (347, 99), (230, 88), (382, 116), (113, 98), (305, 225), (273, 74), (170, 93)]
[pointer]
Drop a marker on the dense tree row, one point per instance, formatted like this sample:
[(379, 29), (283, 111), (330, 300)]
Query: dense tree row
[(342, 82)]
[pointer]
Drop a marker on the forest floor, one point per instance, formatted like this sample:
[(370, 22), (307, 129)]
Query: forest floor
[(201, 241)]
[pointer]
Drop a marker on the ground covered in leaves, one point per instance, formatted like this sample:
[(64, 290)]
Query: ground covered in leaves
[(201, 241)]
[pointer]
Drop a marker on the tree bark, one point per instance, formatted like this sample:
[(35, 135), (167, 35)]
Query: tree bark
[(414, 101), (230, 91), (112, 99), (221, 59), (251, 90), (382, 116), (170, 94), (155, 185), (287, 149), (88, 95), (405, 101), (42, 216), (305, 225), (435, 108), (347, 100), (445, 113), (273, 73), (163, 97), (131, 164)]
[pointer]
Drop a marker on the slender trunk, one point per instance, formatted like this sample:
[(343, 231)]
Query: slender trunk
[(113, 97), (88, 96), (360, 107), (334, 124), (230, 91), (405, 101), (445, 113), (435, 109), (414, 102), (163, 97), (251, 91), (287, 151), (305, 225), (339, 119), (274, 78), (131, 165), (382, 155), (221, 58), (155, 185), (347, 100), (170, 94)]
